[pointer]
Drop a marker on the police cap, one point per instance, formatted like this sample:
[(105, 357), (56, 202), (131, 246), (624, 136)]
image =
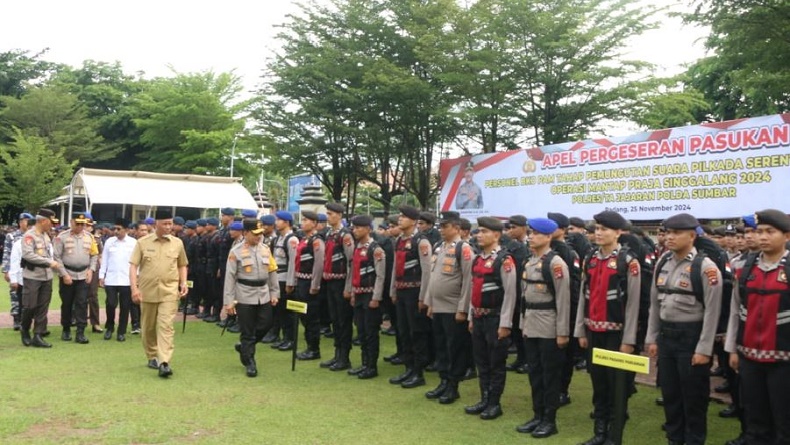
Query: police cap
[(681, 221), (335, 207), (268, 220), (611, 220), (362, 221), (212, 221), (190, 224), (228, 211), (428, 217), (252, 225), (409, 212), (249, 213), (179, 221), (322, 217), (545, 226), (49, 214), (450, 217), (490, 223), (236, 225), (775, 218), (561, 220), (749, 221), (518, 220), (285, 216), (309, 214), (575, 221)]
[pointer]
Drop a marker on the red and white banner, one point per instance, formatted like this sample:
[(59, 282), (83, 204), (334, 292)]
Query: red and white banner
[(715, 170)]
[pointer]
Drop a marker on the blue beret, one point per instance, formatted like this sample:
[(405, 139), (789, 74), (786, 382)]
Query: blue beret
[(545, 226), (228, 211), (178, 221), (201, 222), (285, 216), (212, 221), (267, 220), (700, 231), (237, 225), (88, 215), (249, 213), (25, 215), (149, 221), (322, 217), (190, 224), (749, 221)]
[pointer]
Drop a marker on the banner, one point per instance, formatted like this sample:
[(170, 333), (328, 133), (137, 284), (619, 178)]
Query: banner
[(295, 186), (715, 170)]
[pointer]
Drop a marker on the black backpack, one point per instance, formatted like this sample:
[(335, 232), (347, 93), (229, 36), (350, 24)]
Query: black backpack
[(706, 248), (751, 261), (572, 260), (622, 270), (546, 272)]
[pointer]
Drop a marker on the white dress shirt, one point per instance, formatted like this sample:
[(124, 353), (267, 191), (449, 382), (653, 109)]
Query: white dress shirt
[(115, 261)]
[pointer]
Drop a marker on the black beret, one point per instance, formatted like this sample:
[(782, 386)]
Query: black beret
[(518, 220), (575, 221), (740, 229), (590, 228), (490, 223), (465, 224), (428, 217), (123, 222), (681, 221), (163, 214), (335, 207), (612, 220), (362, 221), (775, 218), (253, 225), (729, 229), (309, 214), (49, 214), (393, 220), (561, 220), (719, 231), (450, 217), (409, 212)]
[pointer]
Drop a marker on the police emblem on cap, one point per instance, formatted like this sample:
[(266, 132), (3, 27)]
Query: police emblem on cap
[(756, 219)]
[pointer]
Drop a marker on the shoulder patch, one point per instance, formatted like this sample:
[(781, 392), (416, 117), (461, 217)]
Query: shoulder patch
[(316, 243), (425, 249), (293, 241), (232, 257), (712, 275), (378, 254), (348, 239), (633, 267), (508, 265), (467, 252), (557, 270)]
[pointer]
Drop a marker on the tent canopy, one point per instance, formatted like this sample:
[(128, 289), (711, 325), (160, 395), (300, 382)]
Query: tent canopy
[(160, 189)]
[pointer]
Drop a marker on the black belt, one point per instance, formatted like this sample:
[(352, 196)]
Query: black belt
[(76, 269), (548, 305), (251, 283)]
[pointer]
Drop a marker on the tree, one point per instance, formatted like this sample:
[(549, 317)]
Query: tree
[(668, 103), (31, 172), (19, 68)]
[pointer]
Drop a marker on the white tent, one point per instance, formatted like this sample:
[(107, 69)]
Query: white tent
[(157, 190)]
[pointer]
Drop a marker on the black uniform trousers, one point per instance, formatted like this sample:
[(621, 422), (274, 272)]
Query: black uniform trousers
[(490, 356), (451, 343), (571, 353), (325, 307), (685, 388), (342, 316), (766, 401), (36, 296), (93, 301), (389, 308), (217, 286), (254, 322), (74, 298), (368, 322), (602, 376), (201, 287), (283, 319), (312, 319), (516, 335), (414, 327), (118, 295), (545, 360)]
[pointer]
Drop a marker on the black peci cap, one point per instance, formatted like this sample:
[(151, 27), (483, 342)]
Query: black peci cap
[(775, 218), (561, 220), (681, 221), (490, 223), (518, 220), (409, 212), (611, 220)]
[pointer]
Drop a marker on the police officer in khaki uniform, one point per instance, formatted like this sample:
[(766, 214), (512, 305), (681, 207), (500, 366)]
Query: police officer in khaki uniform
[(447, 299), (158, 275), (251, 289), (38, 264), (681, 330), (545, 325), (77, 253)]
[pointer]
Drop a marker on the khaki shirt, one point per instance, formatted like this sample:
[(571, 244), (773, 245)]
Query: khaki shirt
[(37, 250), (76, 251), (450, 287), (158, 260), (251, 264), (546, 323)]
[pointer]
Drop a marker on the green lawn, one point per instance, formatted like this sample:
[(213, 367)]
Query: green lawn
[(103, 393)]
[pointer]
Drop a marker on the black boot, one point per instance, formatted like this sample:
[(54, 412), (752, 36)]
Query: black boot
[(39, 342), (81, 339), (414, 381), (530, 425), (402, 377), (328, 363), (478, 407), (548, 427), (438, 391), (600, 429), (66, 335), (252, 369), (450, 394), (17, 322), (342, 363), (26, 340), (492, 411)]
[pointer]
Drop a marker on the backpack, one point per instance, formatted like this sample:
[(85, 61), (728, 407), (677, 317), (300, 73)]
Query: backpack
[(751, 261), (571, 259), (622, 270), (545, 270), (706, 248)]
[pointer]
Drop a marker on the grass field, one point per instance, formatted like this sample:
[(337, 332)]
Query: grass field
[(103, 393)]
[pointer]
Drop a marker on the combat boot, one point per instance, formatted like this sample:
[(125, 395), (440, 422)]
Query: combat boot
[(81, 339), (66, 335), (438, 391), (252, 369), (38, 341), (26, 340), (478, 407), (600, 429), (450, 394)]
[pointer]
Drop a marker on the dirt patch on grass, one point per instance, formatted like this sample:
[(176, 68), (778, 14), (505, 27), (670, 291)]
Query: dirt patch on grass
[(61, 430)]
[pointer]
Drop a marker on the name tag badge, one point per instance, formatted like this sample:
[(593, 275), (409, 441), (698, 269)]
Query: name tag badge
[(782, 278), (451, 251), (612, 264), (683, 284)]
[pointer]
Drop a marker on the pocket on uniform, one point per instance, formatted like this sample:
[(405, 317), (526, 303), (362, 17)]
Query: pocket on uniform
[(685, 303)]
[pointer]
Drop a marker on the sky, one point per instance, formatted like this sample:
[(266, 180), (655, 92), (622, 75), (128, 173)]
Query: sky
[(200, 35)]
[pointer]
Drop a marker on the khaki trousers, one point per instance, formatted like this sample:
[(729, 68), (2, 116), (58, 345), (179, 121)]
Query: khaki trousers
[(156, 325)]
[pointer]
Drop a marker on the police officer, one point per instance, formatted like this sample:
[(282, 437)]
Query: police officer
[(493, 299), (545, 326), (251, 289), (201, 279), (285, 245), (447, 299), (410, 275), (757, 338), (268, 230), (339, 244), (518, 245), (191, 245), (682, 328), (469, 196), (608, 312), (10, 238), (365, 288), (77, 253), (309, 266), (213, 242), (38, 264)]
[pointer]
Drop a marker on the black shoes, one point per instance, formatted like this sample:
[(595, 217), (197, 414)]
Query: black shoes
[(397, 380), (397, 360), (340, 365), (308, 354), (513, 366), (26, 340), (211, 319), (234, 328), (660, 401), (270, 338), (108, 334), (153, 364), (251, 368), (478, 407), (414, 381), (729, 412), (740, 440), (328, 363), (491, 412), (39, 342), (450, 394), (523, 369), (121, 337), (368, 373), (438, 391), (17, 322), (388, 358), (545, 429), (530, 425), (286, 346), (81, 338), (723, 388), (66, 335), (565, 399), (357, 370), (164, 370)]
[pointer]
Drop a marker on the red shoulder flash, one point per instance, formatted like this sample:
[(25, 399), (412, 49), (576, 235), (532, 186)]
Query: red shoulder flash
[(712, 274), (348, 240), (378, 254), (557, 269), (231, 257), (425, 249), (633, 267), (28, 240), (508, 265), (293, 241), (467, 252), (316, 243)]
